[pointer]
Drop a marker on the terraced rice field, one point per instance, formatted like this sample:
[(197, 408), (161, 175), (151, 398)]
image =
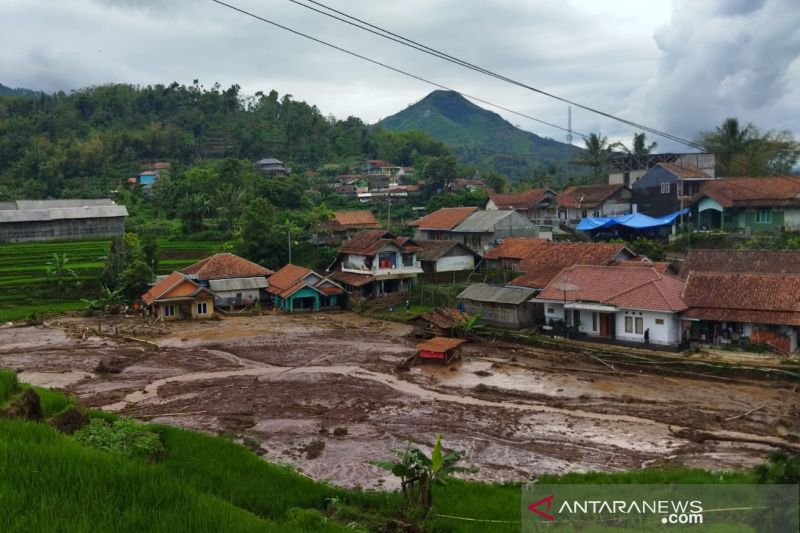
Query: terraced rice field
[(23, 271)]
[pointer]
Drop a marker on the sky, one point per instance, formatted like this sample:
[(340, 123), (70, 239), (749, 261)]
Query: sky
[(680, 66)]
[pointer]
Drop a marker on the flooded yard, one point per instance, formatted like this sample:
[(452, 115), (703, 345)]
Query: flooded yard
[(284, 385)]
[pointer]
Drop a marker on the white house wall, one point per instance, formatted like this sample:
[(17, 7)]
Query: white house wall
[(791, 219), (669, 331), (457, 262)]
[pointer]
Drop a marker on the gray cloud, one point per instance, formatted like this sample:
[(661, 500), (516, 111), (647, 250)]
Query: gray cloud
[(682, 70)]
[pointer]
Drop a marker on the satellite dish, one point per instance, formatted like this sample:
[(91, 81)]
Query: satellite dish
[(565, 287)]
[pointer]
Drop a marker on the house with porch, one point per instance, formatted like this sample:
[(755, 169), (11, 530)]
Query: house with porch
[(177, 297), (608, 303), (743, 308), (272, 167), (295, 288), (549, 258), (584, 201), (763, 204), (235, 281), (376, 263), (342, 226), (667, 188), (537, 205)]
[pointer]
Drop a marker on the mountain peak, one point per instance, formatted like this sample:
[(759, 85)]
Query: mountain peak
[(477, 135)]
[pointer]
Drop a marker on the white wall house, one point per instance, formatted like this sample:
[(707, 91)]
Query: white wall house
[(629, 304)]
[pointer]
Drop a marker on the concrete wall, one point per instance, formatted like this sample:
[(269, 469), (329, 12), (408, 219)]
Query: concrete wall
[(667, 331), (456, 262)]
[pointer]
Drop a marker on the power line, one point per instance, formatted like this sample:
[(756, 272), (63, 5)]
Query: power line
[(384, 65), (381, 32)]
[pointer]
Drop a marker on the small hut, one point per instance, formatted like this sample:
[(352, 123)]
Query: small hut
[(440, 322), (444, 349)]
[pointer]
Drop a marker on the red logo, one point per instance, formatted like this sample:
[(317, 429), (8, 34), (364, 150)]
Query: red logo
[(534, 507)]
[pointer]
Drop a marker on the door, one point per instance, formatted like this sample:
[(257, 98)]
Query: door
[(605, 330)]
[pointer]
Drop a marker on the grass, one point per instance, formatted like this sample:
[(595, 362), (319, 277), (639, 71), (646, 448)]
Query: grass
[(25, 288), (51, 482)]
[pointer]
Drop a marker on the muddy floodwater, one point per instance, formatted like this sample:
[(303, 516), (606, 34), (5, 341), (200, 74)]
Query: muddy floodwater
[(278, 383)]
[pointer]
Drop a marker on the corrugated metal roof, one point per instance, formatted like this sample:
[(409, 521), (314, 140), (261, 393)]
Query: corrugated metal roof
[(237, 284), (482, 221), (60, 213), (480, 292), (53, 204)]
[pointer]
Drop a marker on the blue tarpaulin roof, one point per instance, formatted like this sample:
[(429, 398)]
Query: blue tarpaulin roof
[(632, 221)]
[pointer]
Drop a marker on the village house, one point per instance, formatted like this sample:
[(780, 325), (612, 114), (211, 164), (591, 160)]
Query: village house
[(46, 220), (631, 305), (505, 307), (769, 261), (177, 297), (445, 257), (667, 188), (467, 184), (443, 349), (376, 263), (584, 201), (508, 254), (549, 258), (235, 281), (744, 308), (379, 167), (272, 167), (627, 169), (478, 230), (538, 205), (342, 226), (762, 204), (441, 322), (295, 288)]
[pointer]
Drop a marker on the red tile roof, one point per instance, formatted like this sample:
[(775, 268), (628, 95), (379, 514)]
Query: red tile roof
[(352, 279), (587, 195), (370, 242), (226, 265), (753, 192), (440, 344), (686, 172), (632, 288), (445, 218), (286, 278), (662, 267), (521, 200), (550, 257), (775, 261), (514, 248), (760, 298), (176, 285), (356, 219)]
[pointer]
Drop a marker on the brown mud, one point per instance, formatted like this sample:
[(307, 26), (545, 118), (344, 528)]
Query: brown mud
[(279, 382)]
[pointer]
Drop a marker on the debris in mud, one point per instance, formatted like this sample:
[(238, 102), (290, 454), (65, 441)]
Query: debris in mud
[(340, 431), (114, 365), (237, 422), (480, 387), (70, 421), (313, 449), (27, 406), (482, 373)]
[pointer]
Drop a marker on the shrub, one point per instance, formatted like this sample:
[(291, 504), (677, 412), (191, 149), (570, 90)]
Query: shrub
[(124, 436), (340, 432), (8, 385)]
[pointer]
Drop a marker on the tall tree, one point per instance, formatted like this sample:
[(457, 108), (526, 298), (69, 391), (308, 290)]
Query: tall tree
[(746, 151), (640, 146), (596, 154)]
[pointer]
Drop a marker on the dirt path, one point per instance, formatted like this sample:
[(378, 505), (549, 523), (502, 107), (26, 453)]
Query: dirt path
[(279, 383)]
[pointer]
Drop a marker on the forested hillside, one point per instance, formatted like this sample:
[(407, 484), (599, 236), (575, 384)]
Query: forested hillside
[(81, 144)]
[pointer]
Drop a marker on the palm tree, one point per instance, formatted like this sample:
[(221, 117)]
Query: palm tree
[(640, 146), (728, 141), (597, 153)]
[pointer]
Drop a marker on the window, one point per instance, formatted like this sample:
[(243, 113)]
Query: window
[(202, 308), (763, 216), (659, 321), (594, 321), (551, 311), (639, 325), (408, 260), (628, 324), (596, 213), (169, 310), (665, 188), (584, 213), (387, 260)]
